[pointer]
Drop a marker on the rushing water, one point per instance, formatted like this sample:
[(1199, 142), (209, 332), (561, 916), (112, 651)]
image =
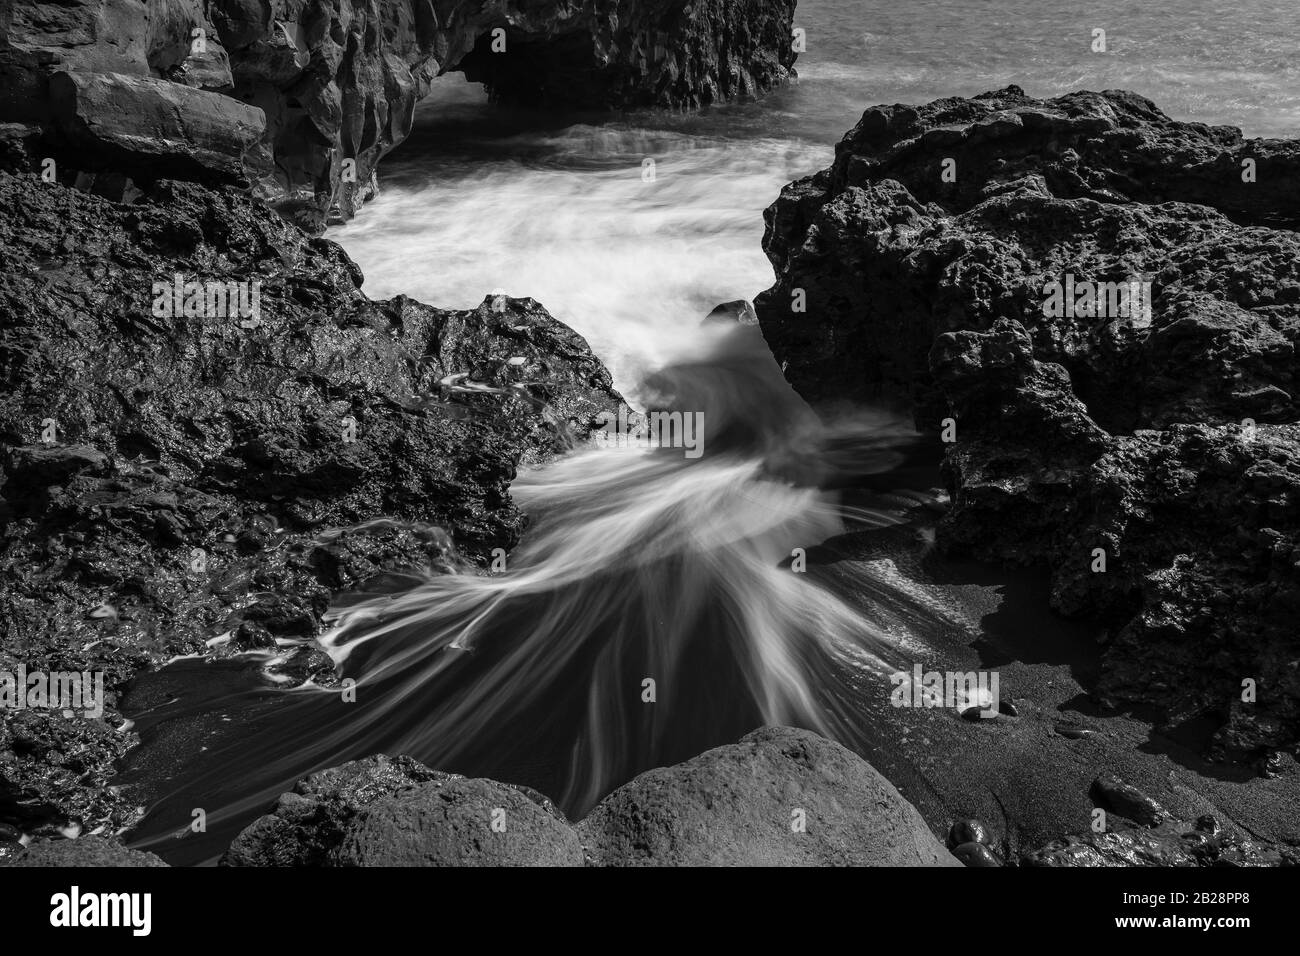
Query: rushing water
[(556, 207), (648, 564)]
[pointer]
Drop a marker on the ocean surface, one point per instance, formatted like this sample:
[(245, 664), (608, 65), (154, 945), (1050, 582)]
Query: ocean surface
[(483, 200)]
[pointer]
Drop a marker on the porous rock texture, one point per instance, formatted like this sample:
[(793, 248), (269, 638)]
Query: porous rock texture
[(87, 851), (383, 811), (176, 483), (778, 797), (1151, 461), (1137, 831), (302, 98)]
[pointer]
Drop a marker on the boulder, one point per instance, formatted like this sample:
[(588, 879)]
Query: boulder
[(455, 821), (778, 797), (140, 125), (83, 852), (308, 823), (384, 811)]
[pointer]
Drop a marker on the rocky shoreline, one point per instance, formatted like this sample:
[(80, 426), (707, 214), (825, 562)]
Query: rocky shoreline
[(209, 488), (1150, 461), (181, 480), (778, 797), (301, 101)]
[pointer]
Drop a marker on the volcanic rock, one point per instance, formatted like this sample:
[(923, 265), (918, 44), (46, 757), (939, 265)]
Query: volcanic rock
[(1111, 793), (1173, 843), (159, 128), (456, 821), (308, 823), (337, 81), (1148, 456), (86, 851), (778, 797), (217, 479)]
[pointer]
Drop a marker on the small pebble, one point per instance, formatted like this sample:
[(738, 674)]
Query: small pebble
[(1112, 793), (1073, 731), (968, 831), (1271, 765), (975, 854), (1207, 823)]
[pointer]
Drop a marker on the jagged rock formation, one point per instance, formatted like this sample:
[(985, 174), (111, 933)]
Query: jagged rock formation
[(179, 475), (1162, 445), (302, 98)]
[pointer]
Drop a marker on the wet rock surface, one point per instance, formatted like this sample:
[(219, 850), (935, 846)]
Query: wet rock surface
[(1149, 459), (1157, 840), (181, 483), (331, 85)]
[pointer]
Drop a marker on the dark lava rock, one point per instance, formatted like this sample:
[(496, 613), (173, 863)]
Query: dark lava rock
[(308, 822), (1111, 793), (975, 854), (778, 797), (1173, 844), (459, 822), (175, 485), (1165, 451), (737, 312), (1270, 765), (86, 851), (968, 831), (394, 811), (331, 86), (160, 128)]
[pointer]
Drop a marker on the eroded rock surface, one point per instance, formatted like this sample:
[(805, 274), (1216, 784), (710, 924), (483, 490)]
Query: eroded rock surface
[(1160, 445), (778, 797), (87, 851), (177, 483), (331, 85)]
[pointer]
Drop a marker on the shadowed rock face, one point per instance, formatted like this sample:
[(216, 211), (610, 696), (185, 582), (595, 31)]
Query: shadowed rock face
[(173, 478), (336, 81), (1166, 440)]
